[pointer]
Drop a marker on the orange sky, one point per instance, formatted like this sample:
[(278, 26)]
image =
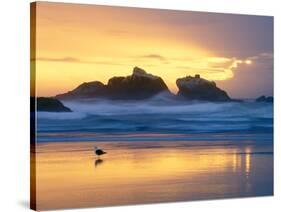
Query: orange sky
[(80, 43)]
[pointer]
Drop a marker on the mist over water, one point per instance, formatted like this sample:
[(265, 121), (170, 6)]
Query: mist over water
[(159, 115)]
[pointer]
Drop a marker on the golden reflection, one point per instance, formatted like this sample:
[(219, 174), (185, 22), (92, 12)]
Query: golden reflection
[(234, 161), (247, 168), (247, 161), (69, 176), (166, 170)]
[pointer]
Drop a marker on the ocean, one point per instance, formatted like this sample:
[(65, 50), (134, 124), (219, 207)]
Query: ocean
[(158, 119)]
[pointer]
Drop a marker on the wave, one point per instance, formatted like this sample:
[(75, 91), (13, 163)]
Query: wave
[(159, 115)]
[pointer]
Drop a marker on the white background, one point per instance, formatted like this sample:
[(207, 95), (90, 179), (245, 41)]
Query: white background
[(14, 95)]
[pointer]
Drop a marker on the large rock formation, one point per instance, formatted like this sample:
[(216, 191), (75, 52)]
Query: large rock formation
[(264, 99), (50, 105), (139, 85), (85, 90), (196, 88)]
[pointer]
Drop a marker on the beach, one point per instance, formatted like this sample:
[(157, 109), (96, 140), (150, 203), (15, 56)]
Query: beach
[(182, 103), (157, 151), (69, 175)]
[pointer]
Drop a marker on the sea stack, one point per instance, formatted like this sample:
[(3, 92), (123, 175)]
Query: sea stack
[(265, 99), (85, 90), (197, 88), (47, 104), (139, 85)]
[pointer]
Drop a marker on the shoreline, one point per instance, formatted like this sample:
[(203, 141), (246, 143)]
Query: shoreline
[(149, 172), (237, 137)]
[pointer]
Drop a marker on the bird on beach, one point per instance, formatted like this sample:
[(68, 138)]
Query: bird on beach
[(99, 151)]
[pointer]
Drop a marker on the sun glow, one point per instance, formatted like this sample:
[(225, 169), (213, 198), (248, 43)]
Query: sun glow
[(89, 46), (248, 62)]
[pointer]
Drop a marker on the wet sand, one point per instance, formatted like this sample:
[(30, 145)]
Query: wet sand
[(68, 175)]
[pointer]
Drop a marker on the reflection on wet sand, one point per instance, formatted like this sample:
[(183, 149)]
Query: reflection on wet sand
[(149, 172)]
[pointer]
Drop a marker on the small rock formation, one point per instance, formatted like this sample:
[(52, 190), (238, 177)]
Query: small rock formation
[(139, 85), (196, 88), (50, 105), (85, 90), (264, 99)]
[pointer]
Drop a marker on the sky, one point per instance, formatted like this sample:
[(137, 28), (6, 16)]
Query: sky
[(78, 43)]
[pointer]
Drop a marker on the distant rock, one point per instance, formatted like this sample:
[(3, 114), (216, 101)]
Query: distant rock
[(264, 99), (50, 105), (85, 90), (139, 85), (196, 88)]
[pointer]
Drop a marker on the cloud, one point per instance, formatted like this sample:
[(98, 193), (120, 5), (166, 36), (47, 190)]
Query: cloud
[(74, 60), (63, 59), (262, 56), (219, 62), (258, 74), (211, 70), (154, 56)]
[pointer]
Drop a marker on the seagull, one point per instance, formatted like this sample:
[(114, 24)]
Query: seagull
[(99, 151)]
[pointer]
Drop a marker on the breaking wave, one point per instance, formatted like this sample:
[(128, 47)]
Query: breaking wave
[(159, 115)]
